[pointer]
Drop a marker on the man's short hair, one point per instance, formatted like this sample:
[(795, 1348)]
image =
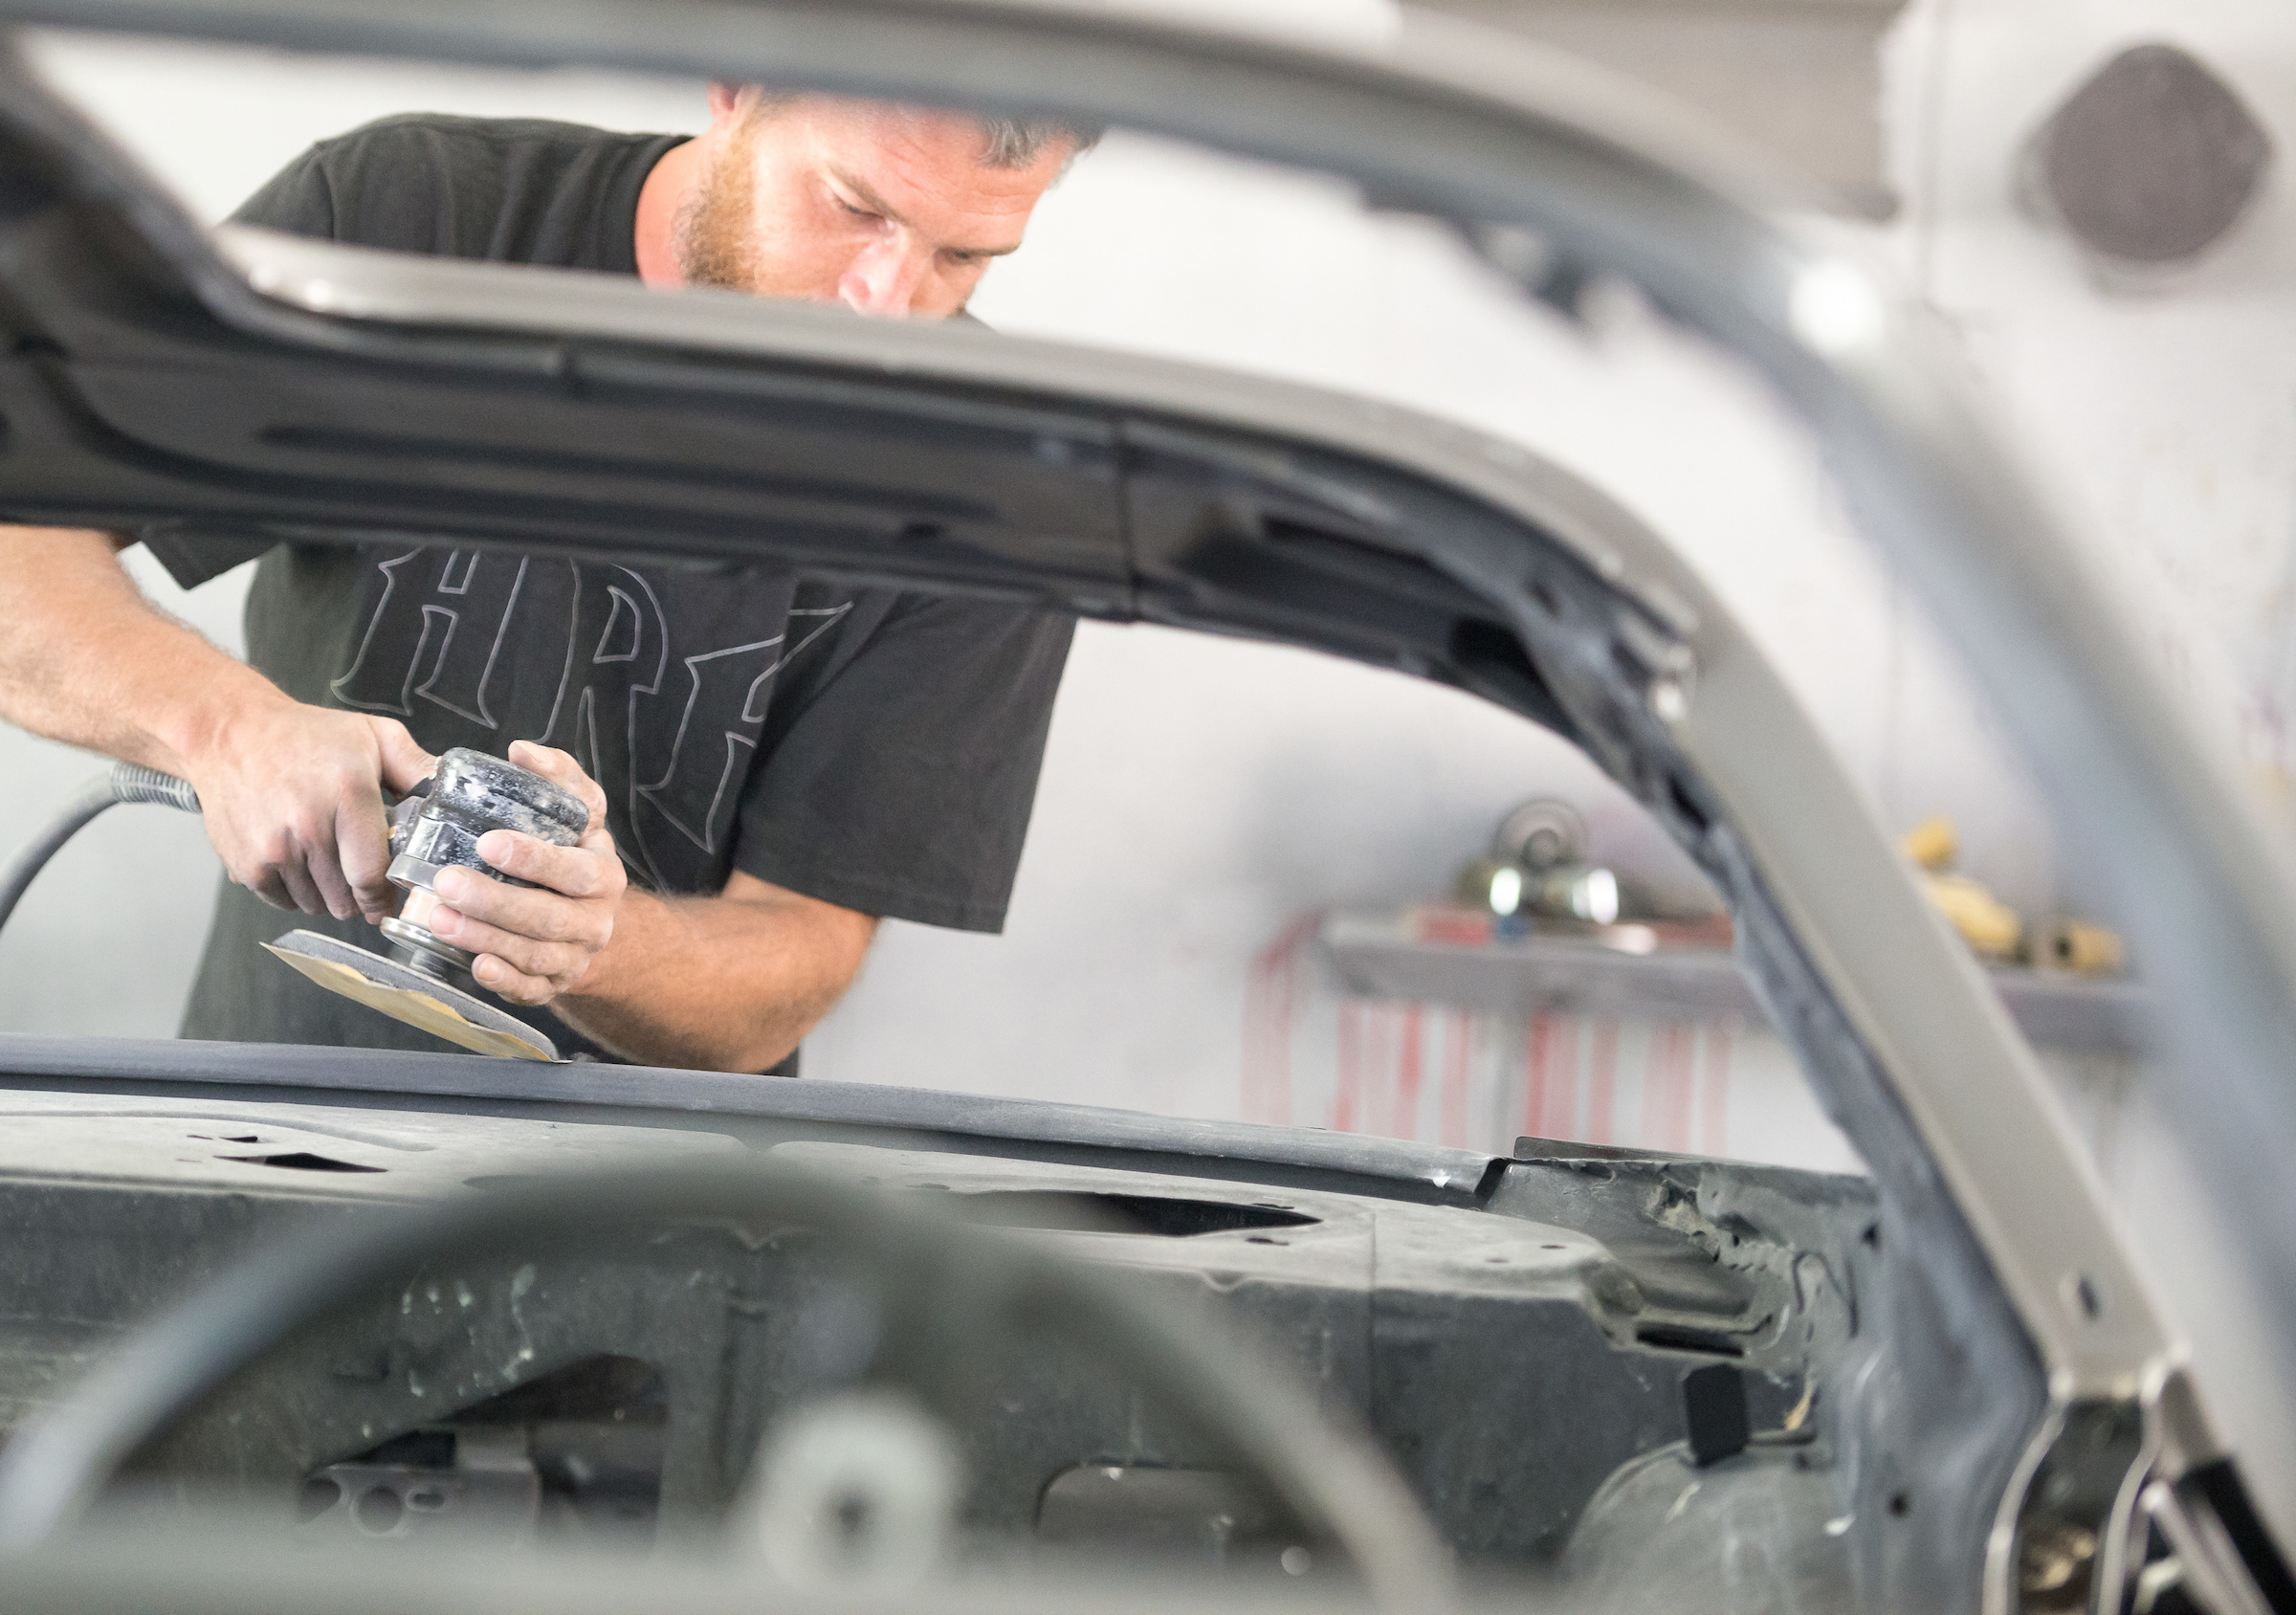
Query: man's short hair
[(1016, 143), (1006, 143)]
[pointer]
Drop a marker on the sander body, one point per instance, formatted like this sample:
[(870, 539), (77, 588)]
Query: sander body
[(437, 828), (426, 982)]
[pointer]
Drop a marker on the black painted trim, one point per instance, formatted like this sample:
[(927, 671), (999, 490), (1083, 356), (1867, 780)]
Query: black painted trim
[(758, 1108)]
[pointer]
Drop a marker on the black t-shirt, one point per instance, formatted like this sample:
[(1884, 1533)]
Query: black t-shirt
[(872, 748)]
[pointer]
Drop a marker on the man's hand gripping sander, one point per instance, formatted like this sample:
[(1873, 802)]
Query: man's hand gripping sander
[(426, 982)]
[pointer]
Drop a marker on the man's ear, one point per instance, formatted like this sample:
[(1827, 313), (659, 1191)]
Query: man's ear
[(730, 103)]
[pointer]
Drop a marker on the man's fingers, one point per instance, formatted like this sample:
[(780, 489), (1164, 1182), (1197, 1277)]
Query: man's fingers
[(363, 843), (543, 916), (405, 763), (506, 981), (327, 882), (577, 872), (558, 962), (561, 768), (301, 893), (270, 888)]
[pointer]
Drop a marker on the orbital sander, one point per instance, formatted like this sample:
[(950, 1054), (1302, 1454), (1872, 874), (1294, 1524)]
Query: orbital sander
[(424, 982)]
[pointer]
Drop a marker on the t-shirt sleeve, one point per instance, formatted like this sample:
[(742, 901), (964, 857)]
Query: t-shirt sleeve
[(192, 557), (903, 788), (298, 199)]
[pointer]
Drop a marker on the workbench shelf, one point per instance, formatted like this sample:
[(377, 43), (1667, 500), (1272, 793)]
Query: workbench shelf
[(1390, 955)]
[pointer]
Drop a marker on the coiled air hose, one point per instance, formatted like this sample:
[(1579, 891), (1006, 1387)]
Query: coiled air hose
[(122, 782)]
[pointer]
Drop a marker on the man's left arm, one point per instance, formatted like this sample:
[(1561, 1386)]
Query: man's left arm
[(729, 983), (898, 784)]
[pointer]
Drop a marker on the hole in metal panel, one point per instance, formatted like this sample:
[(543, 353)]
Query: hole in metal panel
[(1166, 1216), (300, 1160), (1678, 1338), (378, 1511)]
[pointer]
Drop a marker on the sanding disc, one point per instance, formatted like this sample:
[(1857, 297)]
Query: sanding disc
[(406, 995)]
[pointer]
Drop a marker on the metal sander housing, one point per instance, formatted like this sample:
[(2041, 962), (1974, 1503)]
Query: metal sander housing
[(438, 826)]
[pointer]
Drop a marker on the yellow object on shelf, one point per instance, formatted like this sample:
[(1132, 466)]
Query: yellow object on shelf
[(1933, 843), (2090, 950), (1991, 927), (1985, 922)]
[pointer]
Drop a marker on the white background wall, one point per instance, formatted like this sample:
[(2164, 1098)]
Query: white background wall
[(1200, 796)]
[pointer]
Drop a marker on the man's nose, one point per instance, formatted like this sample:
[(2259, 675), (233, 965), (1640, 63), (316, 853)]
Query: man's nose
[(883, 280)]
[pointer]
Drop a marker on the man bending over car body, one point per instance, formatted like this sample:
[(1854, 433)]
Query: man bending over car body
[(772, 762)]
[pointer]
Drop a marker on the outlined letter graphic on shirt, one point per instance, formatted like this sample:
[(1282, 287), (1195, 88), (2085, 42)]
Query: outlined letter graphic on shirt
[(588, 658), (617, 651), (726, 696), (437, 630)]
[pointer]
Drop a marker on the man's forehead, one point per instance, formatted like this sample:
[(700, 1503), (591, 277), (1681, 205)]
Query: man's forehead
[(922, 130), (920, 158)]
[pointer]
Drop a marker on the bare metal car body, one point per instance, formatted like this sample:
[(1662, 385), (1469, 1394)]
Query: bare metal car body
[(1959, 1360)]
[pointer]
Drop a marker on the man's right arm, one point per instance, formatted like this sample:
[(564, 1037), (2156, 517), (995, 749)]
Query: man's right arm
[(292, 794)]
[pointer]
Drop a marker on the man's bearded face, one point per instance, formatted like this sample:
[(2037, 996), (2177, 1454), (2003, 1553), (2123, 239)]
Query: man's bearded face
[(716, 228), (888, 210)]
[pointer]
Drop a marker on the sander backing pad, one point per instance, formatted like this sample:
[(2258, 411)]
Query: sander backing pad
[(407, 995)]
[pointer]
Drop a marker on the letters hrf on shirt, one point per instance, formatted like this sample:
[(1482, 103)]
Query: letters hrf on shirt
[(658, 684)]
